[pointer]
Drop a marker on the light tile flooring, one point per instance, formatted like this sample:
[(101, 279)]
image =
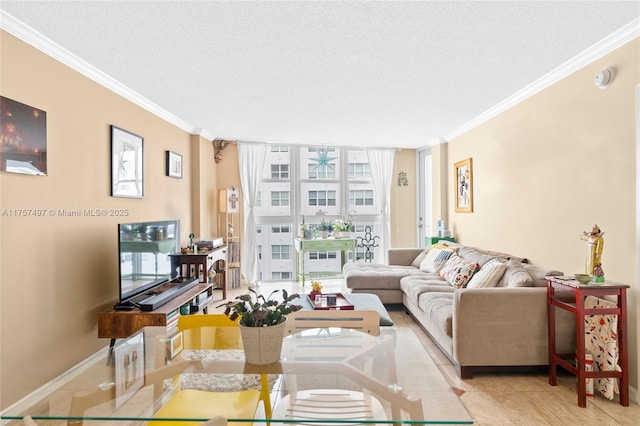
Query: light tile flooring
[(502, 398)]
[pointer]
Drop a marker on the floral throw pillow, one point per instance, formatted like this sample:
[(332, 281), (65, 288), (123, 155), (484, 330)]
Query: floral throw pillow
[(601, 340), (458, 271)]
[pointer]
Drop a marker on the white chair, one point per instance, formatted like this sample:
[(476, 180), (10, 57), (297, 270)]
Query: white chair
[(324, 404)]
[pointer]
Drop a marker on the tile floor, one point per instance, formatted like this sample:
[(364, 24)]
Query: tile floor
[(502, 398)]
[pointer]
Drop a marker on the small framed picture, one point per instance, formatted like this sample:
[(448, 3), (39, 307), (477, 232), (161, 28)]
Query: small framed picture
[(174, 345), (174, 165), (463, 178), (127, 174), (128, 357)]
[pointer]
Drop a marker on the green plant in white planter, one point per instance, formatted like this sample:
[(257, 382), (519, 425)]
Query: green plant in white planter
[(261, 323)]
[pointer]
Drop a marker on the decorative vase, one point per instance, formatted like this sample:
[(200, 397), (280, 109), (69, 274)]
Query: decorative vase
[(262, 345), (324, 234), (313, 294), (345, 234)]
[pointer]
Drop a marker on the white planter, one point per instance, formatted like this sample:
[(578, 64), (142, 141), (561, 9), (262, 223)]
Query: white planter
[(324, 234), (262, 345), (345, 234)]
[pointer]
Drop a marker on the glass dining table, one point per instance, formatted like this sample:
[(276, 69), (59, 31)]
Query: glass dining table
[(391, 374)]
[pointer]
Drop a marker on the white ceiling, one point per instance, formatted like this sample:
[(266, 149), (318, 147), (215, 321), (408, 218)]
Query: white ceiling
[(399, 74)]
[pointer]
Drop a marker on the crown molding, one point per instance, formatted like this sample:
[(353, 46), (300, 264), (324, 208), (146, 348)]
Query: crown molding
[(25, 33), (589, 55), (204, 133)]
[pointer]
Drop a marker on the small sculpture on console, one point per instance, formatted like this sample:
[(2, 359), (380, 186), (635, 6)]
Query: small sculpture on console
[(595, 245)]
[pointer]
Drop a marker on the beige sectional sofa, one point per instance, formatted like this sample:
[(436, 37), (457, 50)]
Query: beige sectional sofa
[(482, 328)]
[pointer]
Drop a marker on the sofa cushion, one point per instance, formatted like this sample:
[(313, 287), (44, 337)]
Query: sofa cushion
[(515, 276), (439, 308), (458, 271), (414, 285), (538, 273), (474, 256), (364, 275), (435, 258), (488, 275), (416, 262)]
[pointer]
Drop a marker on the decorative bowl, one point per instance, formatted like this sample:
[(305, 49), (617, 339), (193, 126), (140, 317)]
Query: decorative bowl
[(582, 278)]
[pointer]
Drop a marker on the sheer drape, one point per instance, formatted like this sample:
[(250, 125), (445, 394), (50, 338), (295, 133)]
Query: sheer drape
[(251, 157), (381, 164)]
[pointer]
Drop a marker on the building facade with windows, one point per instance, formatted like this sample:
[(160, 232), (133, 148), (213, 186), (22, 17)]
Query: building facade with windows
[(308, 185)]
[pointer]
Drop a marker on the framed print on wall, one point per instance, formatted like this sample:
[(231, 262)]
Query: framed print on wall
[(174, 165), (23, 138), (128, 357), (463, 177), (127, 174)]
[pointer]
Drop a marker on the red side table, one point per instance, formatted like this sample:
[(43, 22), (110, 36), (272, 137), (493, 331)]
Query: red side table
[(570, 295)]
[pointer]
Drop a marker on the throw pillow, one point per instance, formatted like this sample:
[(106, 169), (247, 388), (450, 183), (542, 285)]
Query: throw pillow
[(416, 262), (458, 271), (488, 275), (435, 258), (516, 276)]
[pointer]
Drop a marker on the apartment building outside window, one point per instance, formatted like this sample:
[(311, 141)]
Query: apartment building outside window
[(317, 183)]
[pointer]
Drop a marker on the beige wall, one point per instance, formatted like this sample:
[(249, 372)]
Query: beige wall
[(204, 180), (403, 201), (58, 272), (553, 166)]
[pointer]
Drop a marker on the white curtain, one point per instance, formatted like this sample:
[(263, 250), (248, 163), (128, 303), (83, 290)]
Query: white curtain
[(381, 163), (251, 157)]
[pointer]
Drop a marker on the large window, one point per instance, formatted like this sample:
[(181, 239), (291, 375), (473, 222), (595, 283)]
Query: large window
[(315, 184), (280, 252), (280, 171), (322, 198), (280, 198)]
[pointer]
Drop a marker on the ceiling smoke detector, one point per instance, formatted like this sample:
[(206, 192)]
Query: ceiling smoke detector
[(604, 78)]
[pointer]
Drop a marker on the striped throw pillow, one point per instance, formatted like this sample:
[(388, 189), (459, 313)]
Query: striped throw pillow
[(435, 258)]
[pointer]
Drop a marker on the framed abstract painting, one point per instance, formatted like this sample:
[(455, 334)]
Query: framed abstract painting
[(463, 178)]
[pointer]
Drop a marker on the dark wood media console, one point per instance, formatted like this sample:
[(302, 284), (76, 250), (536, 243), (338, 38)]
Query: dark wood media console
[(121, 324)]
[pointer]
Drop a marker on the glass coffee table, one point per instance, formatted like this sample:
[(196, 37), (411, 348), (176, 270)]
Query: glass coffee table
[(391, 373)]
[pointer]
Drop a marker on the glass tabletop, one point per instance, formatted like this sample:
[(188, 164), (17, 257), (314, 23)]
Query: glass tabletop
[(324, 376)]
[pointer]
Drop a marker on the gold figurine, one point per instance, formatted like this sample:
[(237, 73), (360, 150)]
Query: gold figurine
[(595, 244)]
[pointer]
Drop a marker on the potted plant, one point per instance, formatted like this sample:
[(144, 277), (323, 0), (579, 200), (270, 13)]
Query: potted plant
[(343, 225), (261, 323), (325, 228)]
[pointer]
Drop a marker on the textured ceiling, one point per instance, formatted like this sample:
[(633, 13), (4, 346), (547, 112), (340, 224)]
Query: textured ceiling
[(332, 73)]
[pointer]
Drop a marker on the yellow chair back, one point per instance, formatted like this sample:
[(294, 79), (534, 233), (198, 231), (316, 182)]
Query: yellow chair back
[(209, 331)]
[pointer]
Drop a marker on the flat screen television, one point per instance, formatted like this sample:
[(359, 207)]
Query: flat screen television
[(143, 250)]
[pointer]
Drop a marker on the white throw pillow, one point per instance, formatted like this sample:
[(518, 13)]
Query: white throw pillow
[(418, 260), (488, 275), (435, 258), (516, 276)]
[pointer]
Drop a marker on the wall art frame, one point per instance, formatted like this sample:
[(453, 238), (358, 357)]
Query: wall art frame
[(128, 358), (127, 164), (23, 138), (175, 344), (173, 164), (463, 178)]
